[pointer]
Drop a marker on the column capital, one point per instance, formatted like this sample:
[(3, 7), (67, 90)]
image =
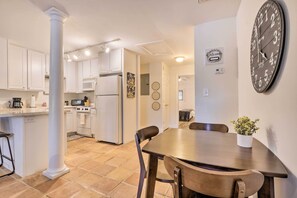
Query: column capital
[(56, 14)]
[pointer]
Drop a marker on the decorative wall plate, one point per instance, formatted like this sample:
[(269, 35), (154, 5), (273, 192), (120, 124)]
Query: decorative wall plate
[(155, 85), (156, 106), (156, 95)]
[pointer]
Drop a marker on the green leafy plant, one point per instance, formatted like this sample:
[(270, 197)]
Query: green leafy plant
[(245, 126)]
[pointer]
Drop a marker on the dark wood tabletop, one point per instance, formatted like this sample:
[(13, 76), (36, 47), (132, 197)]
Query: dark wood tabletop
[(214, 149)]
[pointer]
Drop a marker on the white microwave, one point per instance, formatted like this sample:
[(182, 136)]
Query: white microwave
[(89, 84)]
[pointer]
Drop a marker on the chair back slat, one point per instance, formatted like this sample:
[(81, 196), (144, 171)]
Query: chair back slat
[(215, 183), (209, 127)]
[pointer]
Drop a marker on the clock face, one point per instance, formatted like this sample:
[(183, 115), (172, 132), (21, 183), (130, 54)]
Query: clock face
[(267, 45)]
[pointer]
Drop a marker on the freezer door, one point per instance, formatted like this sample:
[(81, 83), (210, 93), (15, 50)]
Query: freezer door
[(108, 85), (109, 116)]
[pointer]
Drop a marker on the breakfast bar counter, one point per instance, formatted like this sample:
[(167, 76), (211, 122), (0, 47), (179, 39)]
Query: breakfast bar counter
[(30, 138)]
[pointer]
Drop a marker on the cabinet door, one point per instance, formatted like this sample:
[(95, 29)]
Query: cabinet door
[(3, 63), (104, 63), (86, 69), (115, 60), (36, 65), (69, 122), (79, 77), (17, 67), (94, 67), (70, 73)]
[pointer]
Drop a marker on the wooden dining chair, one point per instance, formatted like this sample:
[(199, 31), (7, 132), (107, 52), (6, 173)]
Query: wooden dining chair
[(142, 135), (192, 181), (209, 127)]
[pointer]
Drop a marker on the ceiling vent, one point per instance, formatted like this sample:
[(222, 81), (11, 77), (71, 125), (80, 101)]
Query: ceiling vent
[(156, 48)]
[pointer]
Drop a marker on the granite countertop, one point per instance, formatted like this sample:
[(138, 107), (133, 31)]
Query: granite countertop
[(20, 112)]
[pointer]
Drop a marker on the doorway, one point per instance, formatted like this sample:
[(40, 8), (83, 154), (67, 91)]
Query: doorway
[(186, 100)]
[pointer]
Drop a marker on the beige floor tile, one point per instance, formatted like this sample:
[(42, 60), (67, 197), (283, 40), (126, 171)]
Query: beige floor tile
[(132, 164), (133, 179), (36, 179), (116, 161), (51, 185), (30, 193), (88, 179), (90, 164), (169, 193), (162, 188), (13, 189), (105, 157), (104, 185), (77, 161), (74, 174), (124, 191), (5, 181), (88, 194), (119, 174), (66, 191), (102, 169)]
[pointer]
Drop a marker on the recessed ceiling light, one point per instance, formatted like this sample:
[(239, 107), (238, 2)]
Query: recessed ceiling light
[(87, 53), (179, 59)]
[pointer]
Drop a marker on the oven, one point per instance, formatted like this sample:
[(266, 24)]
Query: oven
[(83, 120)]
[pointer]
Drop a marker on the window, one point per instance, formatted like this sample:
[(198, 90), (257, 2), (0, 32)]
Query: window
[(180, 95)]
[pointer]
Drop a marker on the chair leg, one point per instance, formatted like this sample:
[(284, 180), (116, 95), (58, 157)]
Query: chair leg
[(140, 184), (10, 159)]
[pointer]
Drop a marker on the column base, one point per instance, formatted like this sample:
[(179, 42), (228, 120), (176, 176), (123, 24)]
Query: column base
[(56, 173)]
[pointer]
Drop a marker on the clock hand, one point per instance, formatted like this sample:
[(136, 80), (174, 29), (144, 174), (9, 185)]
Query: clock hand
[(263, 55)]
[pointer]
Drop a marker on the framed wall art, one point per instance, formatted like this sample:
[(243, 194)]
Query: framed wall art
[(130, 85)]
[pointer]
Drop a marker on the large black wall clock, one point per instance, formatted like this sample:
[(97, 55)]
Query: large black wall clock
[(267, 45)]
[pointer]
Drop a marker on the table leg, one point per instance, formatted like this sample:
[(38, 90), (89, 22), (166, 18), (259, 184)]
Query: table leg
[(151, 176), (267, 190)]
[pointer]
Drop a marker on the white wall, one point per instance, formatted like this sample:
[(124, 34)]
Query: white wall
[(187, 85), (155, 117), (221, 105), (144, 101), (129, 104), (174, 72), (276, 109)]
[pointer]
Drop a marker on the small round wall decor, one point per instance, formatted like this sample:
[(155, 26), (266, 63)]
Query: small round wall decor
[(155, 85), (156, 106), (156, 95)]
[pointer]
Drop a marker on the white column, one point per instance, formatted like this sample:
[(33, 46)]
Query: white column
[(56, 166)]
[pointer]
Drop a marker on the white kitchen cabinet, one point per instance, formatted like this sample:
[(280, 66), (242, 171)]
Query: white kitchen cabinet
[(104, 63), (111, 62), (94, 68), (70, 121), (17, 67), (3, 63), (79, 82), (115, 60), (71, 77), (86, 69), (36, 66), (47, 64)]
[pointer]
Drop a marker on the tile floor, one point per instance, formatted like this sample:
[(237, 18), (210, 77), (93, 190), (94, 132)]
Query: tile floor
[(96, 170)]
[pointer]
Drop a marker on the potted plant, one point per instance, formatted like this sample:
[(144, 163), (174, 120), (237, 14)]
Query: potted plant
[(245, 128)]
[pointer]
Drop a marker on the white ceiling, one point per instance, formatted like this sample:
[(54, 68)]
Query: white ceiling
[(96, 21)]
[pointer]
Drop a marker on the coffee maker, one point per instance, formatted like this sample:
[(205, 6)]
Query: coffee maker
[(16, 103)]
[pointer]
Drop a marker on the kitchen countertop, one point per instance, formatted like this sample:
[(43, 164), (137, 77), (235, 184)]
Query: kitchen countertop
[(20, 112)]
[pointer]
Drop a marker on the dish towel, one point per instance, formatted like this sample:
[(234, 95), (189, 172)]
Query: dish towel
[(82, 119)]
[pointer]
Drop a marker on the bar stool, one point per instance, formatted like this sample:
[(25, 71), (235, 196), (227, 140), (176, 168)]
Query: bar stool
[(6, 136)]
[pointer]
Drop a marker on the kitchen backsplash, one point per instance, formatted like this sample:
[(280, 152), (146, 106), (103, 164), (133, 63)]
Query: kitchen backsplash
[(7, 95)]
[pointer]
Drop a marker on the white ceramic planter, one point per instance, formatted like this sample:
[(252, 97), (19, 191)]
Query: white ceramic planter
[(244, 140)]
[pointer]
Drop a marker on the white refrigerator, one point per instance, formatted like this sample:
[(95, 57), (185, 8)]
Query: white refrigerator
[(108, 103)]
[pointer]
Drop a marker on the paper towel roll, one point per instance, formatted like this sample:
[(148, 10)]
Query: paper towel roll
[(32, 104)]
